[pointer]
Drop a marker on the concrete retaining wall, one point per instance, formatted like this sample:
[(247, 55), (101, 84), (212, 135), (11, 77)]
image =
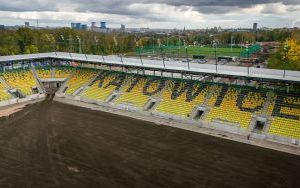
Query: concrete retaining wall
[(167, 116), (226, 128), (18, 100)]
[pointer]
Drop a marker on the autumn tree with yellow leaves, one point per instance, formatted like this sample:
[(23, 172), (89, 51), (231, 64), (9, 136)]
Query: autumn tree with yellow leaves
[(288, 56)]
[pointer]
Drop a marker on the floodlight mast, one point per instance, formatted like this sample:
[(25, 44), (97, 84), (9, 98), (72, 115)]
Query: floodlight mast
[(62, 38), (187, 57), (152, 43), (215, 46), (121, 59), (163, 58), (79, 44), (231, 39), (96, 41), (285, 58), (141, 57), (70, 42), (247, 50)]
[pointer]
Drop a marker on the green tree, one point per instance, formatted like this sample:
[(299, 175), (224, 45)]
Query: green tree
[(25, 38)]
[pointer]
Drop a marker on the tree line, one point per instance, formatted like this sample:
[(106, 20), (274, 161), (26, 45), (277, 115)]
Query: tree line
[(288, 54), (26, 40)]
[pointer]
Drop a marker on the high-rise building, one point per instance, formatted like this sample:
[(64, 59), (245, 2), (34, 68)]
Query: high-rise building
[(83, 26), (103, 25), (76, 25), (122, 27), (93, 24), (27, 24), (73, 25), (254, 26)]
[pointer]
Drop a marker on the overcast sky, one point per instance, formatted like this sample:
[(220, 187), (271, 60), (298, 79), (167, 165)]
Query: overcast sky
[(153, 13)]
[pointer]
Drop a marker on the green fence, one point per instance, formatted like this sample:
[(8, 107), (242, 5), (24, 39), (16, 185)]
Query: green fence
[(182, 51), (250, 51), (208, 51)]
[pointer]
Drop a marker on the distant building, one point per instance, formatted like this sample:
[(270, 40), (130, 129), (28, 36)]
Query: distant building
[(27, 24), (103, 25), (122, 27), (254, 26), (84, 26), (2, 27), (73, 25), (76, 25), (219, 29), (93, 24), (144, 29)]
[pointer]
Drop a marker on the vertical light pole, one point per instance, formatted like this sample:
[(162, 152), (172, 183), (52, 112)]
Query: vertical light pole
[(139, 49), (167, 40), (141, 57), (79, 44), (248, 56), (285, 50), (96, 41), (152, 44), (178, 46), (120, 50), (163, 58), (242, 42), (179, 41), (70, 46), (231, 38), (121, 59), (247, 50), (49, 40), (70, 43), (187, 57), (215, 46), (63, 39)]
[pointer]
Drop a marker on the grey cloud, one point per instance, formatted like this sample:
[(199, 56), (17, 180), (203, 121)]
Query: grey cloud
[(203, 6), (121, 7), (223, 6), (26, 5), (238, 3)]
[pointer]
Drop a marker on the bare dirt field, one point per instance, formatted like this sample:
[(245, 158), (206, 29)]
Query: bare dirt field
[(50, 144), (5, 112)]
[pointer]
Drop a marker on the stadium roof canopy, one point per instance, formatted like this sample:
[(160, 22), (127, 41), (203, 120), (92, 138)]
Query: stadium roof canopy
[(171, 66)]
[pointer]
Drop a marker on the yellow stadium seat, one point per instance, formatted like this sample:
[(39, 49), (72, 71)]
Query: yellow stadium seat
[(80, 78), (3, 93), (20, 79), (285, 126), (63, 72), (228, 110), (44, 72), (135, 96), (181, 106), (103, 92)]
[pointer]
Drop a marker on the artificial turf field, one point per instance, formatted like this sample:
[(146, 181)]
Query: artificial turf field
[(195, 50)]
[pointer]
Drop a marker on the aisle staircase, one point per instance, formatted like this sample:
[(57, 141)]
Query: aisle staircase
[(80, 90), (37, 80), (4, 94)]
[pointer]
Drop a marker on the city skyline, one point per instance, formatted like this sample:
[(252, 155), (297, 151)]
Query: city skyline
[(191, 14)]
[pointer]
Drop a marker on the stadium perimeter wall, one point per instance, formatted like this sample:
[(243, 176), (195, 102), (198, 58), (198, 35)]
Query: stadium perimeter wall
[(33, 97)]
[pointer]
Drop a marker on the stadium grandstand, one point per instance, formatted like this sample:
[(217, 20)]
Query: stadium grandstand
[(244, 100)]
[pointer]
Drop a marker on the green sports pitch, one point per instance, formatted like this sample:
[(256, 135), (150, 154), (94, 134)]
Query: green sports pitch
[(208, 51)]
